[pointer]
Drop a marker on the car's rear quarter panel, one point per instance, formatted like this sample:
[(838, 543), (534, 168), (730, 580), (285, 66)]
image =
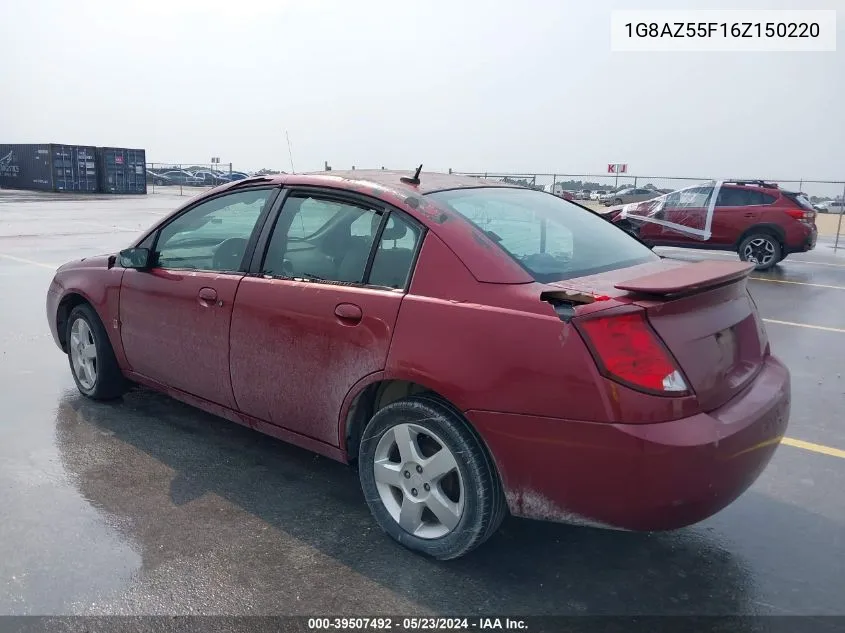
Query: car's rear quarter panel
[(453, 336)]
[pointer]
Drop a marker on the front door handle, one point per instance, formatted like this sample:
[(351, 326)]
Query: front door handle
[(349, 312), (208, 297)]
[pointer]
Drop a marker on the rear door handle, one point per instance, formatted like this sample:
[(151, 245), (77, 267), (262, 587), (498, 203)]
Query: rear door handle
[(349, 312), (208, 297)]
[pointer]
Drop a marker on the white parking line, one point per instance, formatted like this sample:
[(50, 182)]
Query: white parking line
[(806, 325), (804, 261), (29, 261), (734, 256), (799, 283)]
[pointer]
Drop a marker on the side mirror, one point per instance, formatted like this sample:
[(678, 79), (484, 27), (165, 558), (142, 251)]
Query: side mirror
[(138, 258)]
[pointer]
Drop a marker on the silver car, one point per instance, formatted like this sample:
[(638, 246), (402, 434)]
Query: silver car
[(626, 196)]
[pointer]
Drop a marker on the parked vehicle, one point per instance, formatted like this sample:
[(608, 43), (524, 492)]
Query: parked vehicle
[(626, 196), (182, 177), (598, 194), (833, 206), (584, 194), (158, 179), (237, 175), (758, 220), (475, 347), (211, 178)]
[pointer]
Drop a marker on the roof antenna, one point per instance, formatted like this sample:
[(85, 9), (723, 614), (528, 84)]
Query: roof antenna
[(415, 180), (290, 153)]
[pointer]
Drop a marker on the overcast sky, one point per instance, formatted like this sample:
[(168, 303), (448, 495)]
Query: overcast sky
[(489, 85)]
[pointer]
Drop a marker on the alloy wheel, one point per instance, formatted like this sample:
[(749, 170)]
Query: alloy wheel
[(83, 353), (418, 481), (759, 251)]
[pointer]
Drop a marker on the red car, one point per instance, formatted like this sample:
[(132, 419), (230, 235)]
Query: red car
[(475, 347), (758, 220)]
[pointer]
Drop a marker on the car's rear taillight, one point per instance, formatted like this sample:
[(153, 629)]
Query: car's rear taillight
[(628, 351), (801, 214)]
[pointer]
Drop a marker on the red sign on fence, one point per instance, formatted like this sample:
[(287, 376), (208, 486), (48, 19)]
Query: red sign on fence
[(617, 168)]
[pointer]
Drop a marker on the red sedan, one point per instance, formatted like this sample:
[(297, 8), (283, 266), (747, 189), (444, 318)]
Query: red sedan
[(475, 347)]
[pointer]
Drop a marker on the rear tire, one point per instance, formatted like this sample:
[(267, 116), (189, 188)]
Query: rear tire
[(401, 474), (92, 362), (761, 249)]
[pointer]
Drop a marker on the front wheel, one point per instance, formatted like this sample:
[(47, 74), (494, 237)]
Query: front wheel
[(92, 362), (761, 249), (427, 479)]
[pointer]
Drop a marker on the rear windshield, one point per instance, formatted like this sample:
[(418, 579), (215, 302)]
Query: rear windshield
[(802, 200), (550, 237)]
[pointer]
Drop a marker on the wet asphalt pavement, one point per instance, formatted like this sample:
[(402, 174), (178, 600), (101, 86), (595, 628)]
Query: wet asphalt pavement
[(148, 506)]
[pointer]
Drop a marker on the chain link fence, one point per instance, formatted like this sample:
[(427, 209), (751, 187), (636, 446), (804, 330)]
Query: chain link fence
[(594, 190), (188, 178)]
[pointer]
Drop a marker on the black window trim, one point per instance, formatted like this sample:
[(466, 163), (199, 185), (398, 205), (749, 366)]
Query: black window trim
[(269, 208), (345, 196)]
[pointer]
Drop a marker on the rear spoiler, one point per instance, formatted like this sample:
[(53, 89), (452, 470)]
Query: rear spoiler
[(688, 279)]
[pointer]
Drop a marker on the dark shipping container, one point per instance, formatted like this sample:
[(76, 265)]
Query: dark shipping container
[(122, 170), (48, 167)]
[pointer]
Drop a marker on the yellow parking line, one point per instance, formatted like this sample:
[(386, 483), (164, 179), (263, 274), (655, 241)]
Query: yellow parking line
[(807, 325), (29, 261), (816, 448), (799, 283)]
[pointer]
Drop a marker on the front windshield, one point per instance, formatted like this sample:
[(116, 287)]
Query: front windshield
[(551, 238)]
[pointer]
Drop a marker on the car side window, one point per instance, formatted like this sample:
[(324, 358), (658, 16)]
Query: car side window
[(395, 255), (739, 197), (731, 197), (214, 234), (692, 198), (314, 239)]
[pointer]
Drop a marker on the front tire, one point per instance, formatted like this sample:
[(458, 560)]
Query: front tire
[(427, 478), (91, 357), (761, 249)]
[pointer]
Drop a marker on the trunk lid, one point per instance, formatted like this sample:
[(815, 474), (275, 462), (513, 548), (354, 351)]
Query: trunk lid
[(703, 313)]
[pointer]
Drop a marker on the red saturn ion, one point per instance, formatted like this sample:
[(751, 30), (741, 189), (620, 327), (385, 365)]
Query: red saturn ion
[(474, 347)]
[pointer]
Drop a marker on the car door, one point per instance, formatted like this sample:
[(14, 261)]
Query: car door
[(174, 318), (737, 209), (733, 213), (319, 313), (685, 214)]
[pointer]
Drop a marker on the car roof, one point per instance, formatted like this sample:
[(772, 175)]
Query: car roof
[(387, 179)]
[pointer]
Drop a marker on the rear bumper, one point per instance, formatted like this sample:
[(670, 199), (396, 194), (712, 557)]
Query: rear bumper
[(639, 476), (806, 243)]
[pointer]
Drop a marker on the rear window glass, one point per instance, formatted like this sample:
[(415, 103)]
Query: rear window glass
[(802, 200), (550, 237)]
